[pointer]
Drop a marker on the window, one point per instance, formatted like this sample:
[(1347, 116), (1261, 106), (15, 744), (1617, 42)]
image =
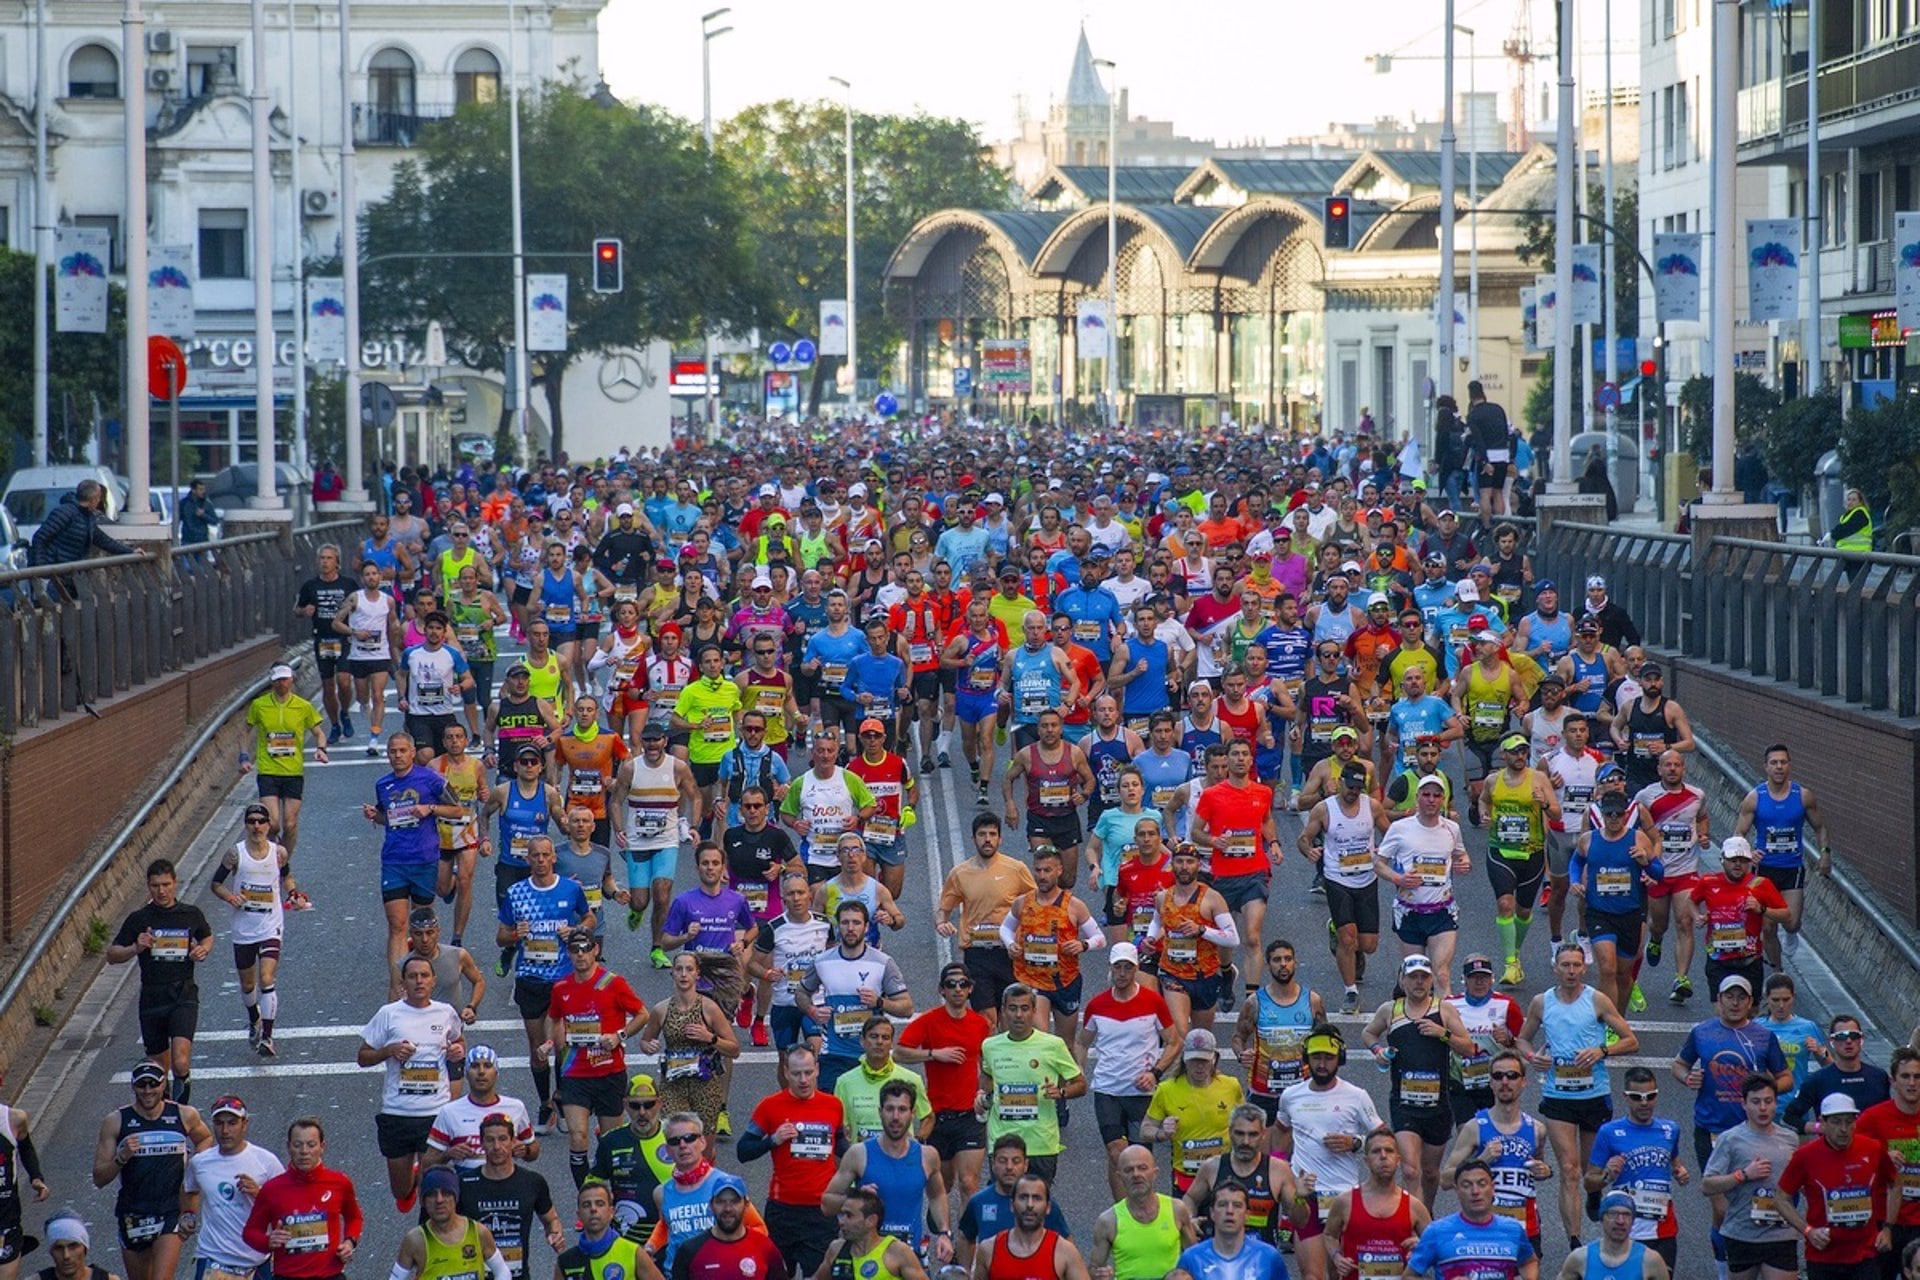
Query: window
[(1867, 210), (93, 72), (1667, 15), (1666, 127), (1833, 210), (476, 78), (1882, 23), (390, 82), (223, 244), (1682, 125), (109, 223), (211, 68), (6, 226)]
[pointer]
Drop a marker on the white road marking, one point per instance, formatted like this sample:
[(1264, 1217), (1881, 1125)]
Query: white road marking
[(291, 1070)]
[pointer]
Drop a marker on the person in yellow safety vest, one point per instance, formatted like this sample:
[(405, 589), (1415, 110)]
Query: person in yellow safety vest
[(1855, 530)]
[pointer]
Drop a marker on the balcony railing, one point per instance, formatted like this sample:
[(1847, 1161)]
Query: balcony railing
[(1880, 76), (376, 125)]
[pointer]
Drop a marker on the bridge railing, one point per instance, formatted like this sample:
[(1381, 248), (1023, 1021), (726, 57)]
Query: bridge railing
[(72, 634)]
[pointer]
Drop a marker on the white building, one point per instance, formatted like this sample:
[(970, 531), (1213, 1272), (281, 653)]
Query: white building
[(411, 64)]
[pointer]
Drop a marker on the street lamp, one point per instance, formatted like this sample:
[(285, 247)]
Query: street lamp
[(853, 364), (522, 380), (1113, 241), (708, 34)]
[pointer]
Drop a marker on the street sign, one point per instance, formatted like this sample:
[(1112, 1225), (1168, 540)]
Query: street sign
[(780, 353), (962, 383), (377, 405), (1608, 396), (166, 368), (886, 404), (804, 351)]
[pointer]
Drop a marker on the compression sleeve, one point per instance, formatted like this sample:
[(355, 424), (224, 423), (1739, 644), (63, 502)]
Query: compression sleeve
[(1092, 934), (752, 1144), (497, 1268), (1007, 931), (1224, 933), (30, 1159)]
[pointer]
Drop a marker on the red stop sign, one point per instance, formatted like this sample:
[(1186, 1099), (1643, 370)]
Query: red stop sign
[(166, 367)]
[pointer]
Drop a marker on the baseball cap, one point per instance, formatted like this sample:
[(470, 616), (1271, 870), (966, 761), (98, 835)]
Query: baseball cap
[(1354, 775), (1431, 780), (767, 491), (1834, 1104), (1588, 626), (642, 1086), (653, 729), (581, 942), (995, 498), (624, 509), (1514, 742), (1467, 593), (728, 1188), (1545, 584), (858, 489), (1735, 981), (281, 671), (1101, 552), (1736, 847), (1009, 571), (519, 669), (870, 725), (1433, 557), (1478, 622), (1477, 964), (1596, 582), (1608, 770), (531, 752), (1448, 514), (148, 1073), (1553, 679), (1200, 1044), (1416, 964), (228, 1104), (482, 1053), (1651, 668), (1379, 598), (1350, 566), (1344, 731), (1612, 802), (762, 580), (1123, 952)]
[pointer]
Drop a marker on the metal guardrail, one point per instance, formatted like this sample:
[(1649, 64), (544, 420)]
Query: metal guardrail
[(75, 633)]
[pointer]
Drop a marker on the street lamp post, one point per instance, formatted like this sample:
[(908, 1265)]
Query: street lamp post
[(1473, 201), (1113, 242), (1565, 212), (1443, 305), (1726, 101), (522, 381), (853, 349), (708, 34), (266, 494), (355, 493), (134, 117)]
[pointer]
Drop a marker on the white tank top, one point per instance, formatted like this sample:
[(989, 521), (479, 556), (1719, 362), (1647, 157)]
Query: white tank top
[(827, 805), (1574, 780), (370, 616), (257, 881), (653, 806), (1348, 856)]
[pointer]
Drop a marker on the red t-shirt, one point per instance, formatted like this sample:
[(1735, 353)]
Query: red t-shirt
[(1086, 669), (950, 1086), (1733, 932), (1899, 1133), (1235, 817), (1139, 883), (753, 1254), (1843, 1191), (601, 1005), (803, 1167)]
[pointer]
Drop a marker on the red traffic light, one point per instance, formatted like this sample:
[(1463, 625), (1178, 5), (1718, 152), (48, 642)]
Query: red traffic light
[(1648, 368), (608, 251), (1336, 208)]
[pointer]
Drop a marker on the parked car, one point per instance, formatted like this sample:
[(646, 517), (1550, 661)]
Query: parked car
[(230, 487), (13, 547), (34, 491)]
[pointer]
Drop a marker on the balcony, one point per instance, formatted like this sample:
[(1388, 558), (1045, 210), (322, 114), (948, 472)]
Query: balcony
[(1867, 97), (380, 125)]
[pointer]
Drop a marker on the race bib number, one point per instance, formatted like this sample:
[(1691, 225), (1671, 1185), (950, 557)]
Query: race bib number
[(1569, 1078), (1849, 1206), (1727, 938), (1432, 870), (1513, 829), (420, 1076), (833, 675), (1183, 951), (583, 1030), (1056, 795), (811, 1141), (1764, 1212), (1018, 1103), (258, 897), (755, 892), (882, 830), (1613, 883), (142, 1229), (328, 648), (541, 950), (849, 1023), (985, 934), (1650, 1202), (1041, 950), (688, 1065), (170, 946), (306, 1232), (558, 615), (283, 745), (718, 727), (1195, 1152), (1420, 1088)]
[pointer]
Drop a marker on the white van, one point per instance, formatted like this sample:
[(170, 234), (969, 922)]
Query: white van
[(34, 491)]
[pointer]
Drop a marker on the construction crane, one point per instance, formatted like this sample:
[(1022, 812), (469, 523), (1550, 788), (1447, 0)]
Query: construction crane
[(1519, 51)]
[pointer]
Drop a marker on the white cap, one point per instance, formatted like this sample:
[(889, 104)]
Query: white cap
[(858, 489), (1736, 847), (1416, 964), (1838, 1104), (624, 509), (762, 580), (1466, 591), (1053, 484), (1596, 582), (281, 671), (1378, 597), (1431, 780), (768, 491), (1123, 951), (1350, 566), (1200, 1044), (560, 504), (995, 497)]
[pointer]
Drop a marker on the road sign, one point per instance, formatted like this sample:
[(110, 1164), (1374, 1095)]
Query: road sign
[(377, 405), (886, 404), (780, 353), (962, 383), (1608, 396), (166, 368), (804, 351)]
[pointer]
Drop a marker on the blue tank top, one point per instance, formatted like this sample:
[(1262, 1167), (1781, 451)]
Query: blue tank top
[(902, 1184), (521, 819), (1779, 826), (1280, 1032), (1556, 632), (1146, 693), (1612, 876), (1106, 759), (557, 599), (1631, 1268), (1163, 776), (1195, 743), (1036, 683), (1513, 1182), (382, 554), (1567, 1029), (1333, 625), (1287, 652), (983, 669), (1594, 672)]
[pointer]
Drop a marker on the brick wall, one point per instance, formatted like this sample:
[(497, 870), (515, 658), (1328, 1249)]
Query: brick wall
[(67, 788)]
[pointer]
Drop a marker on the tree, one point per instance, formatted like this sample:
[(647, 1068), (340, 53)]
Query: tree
[(1755, 406), (1536, 248), (1803, 430), (83, 369), (1880, 456), (589, 170), (791, 156)]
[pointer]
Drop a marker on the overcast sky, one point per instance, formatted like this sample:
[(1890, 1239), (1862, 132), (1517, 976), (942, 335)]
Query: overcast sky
[(1229, 70)]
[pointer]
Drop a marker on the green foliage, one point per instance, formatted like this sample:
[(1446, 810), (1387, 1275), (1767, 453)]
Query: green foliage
[(1880, 455), (1755, 405), (1538, 410), (1536, 249), (98, 931), (791, 156), (83, 368), (1801, 431), (590, 170)]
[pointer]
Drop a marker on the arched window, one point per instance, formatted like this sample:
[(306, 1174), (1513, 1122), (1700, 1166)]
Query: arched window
[(476, 78), (93, 72), (390, 82)]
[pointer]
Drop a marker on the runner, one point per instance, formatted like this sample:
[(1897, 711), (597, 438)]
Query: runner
[(1022, 1067), (1190, 1109), (660, 804), (280, 719), (168, 937), (1639, 1157), (370, 622), (895, 791), (632, 1160), (984, 889), (1610, 869), (1374, 1226), (307, 1220), (434, 681), (948, 1040), (1649, 726), (457, 1136), (1058, 783), (403, 801), (416, 1038), (859, 1089), (224, 1180), (1510, 1142), (1515, 805), (540, 913), (1781, 810), (1492, 1018), (1477, 1240), (1191, 925), (973, 657), (145, 1147), (1410, 1037), (1895, 1124), (461, 840), (260, 874), (1323, 1121), (1235, 818), (446, 1244), (591, 1013), (1138, 1044), (784, 949), (1029, 1249), (1275, 1206), (1141, 1237), (321, 599), (862, 1249), (844, 987), (904, 1172), (1271, 1032), (585, 759), (1574, 771), (1745, 1169), (1616, 1255), (1419, 856)]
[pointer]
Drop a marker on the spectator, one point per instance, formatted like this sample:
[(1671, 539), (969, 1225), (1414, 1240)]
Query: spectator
[(197, 514), (328, 483), (1750, 473), (1596, 480), (72, 530), (1449, 452)]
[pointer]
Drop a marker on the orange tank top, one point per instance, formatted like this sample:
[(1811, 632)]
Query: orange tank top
[(1038, 932), (1193, 957)]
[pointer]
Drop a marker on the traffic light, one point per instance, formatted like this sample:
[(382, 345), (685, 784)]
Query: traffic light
[(1648, 368), (1339, 231), (607, 270)]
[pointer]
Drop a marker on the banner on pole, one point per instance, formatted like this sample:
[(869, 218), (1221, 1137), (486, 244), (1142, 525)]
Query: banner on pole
[(1460, 326), (1676, 276), (833, 327), (170, 290), (1530, 319), (1093, 329), (1006, 366), (1773, 269), (327, 319), (547, 313), (1545, 311), (80, 279), (1584, 306), (1906, 268)]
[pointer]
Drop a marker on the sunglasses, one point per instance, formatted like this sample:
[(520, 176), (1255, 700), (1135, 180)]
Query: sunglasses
[(684, 1139), (1847, 1035), (1648, 1096), (642, 1106), (753, 804), (258, 822), (957, 984), (1503, 1075)]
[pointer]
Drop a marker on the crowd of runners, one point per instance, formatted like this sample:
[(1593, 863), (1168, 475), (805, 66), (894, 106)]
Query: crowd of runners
[(704, 695)]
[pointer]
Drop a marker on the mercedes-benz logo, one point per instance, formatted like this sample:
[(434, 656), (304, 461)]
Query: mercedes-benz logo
[(623, 377)]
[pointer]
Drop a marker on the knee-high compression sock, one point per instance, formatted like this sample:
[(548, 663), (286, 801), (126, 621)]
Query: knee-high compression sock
[(1504, 926), (543, 1085), (251, 999), (1520, 926), (577, 1165), (183, 1087), (269, 1009)]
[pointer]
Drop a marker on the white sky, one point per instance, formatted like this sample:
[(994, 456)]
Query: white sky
[(1223, 69)]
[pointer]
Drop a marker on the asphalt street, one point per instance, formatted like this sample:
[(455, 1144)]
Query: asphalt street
[(332, 979)]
